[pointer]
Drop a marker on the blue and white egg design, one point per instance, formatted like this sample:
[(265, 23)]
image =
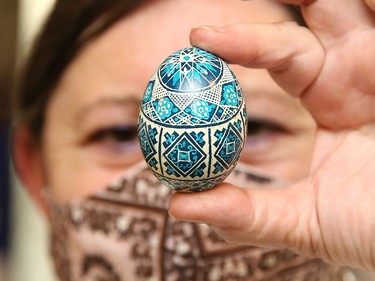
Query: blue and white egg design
[(192, 121)]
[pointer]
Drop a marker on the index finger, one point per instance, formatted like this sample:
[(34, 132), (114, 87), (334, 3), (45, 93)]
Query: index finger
[(291, 53)]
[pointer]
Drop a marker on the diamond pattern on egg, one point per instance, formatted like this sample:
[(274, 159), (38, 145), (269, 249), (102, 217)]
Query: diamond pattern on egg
[(192, 121)]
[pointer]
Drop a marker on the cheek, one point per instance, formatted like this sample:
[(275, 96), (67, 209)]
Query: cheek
[(72, 180), (72, 172)]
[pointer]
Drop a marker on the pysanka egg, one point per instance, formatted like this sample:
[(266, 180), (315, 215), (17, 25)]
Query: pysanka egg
[(192, 121)]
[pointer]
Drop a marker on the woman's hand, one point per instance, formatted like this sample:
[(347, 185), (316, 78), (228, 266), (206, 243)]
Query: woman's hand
[(331, 67)]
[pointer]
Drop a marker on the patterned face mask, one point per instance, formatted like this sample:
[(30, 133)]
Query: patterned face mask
[(124, 233)]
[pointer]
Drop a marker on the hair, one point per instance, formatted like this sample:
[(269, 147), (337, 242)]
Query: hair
[(70, 26)]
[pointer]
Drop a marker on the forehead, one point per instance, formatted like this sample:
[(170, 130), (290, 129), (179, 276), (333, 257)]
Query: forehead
[(162, 27), (158, 28)]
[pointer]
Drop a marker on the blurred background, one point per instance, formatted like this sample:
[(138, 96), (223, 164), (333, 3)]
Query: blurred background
[(24, 251), (23, 233)]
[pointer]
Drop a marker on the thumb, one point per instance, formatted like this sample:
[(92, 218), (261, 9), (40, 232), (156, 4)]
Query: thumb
[(273, 218)]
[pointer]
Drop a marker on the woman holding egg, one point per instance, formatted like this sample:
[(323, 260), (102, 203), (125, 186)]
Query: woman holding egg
[(76, 146)]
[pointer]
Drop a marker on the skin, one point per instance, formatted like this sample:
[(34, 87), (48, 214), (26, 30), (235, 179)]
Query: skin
[(330, 213)]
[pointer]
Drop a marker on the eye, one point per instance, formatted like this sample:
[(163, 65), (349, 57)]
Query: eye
[(121, 138), (257, 127), (122, 133), (261, 133)]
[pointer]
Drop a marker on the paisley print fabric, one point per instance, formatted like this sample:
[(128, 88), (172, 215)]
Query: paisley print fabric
[(124, 232)]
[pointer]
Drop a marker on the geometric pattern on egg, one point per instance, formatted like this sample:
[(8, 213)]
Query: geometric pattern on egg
[(192, 121)]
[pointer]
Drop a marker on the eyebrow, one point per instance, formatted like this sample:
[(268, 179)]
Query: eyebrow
[(108, 101)]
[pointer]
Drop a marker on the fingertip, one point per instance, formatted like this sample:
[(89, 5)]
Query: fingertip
[(202, 36), (188, 206), (210, 207), (209, 28), (175, 203)]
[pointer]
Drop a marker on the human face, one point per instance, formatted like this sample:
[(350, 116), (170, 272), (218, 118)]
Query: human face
[(90, 134)]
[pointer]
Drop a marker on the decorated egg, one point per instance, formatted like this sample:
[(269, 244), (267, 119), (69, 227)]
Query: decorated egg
[(192, 121)]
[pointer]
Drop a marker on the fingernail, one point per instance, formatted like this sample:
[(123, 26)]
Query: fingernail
[(210, 28)]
